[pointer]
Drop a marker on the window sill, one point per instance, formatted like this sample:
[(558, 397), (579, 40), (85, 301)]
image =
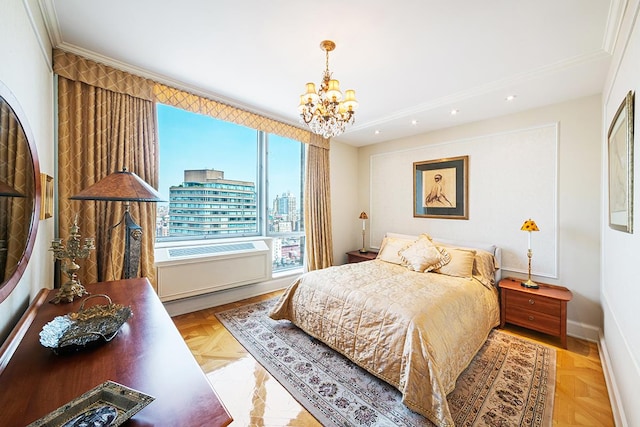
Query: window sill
[(288, 273)]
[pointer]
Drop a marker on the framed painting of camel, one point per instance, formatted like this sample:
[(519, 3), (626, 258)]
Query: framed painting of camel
[(440, 188)]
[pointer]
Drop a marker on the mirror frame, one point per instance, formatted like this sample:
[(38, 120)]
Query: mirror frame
[(8, 286)]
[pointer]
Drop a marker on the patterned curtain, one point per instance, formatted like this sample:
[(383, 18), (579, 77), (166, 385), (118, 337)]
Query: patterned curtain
[(15, 212), (102, 129), (87, 128), (317, 205)]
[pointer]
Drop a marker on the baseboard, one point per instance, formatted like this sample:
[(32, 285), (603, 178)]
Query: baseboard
[(612, 388), (213, 299), (583, 331)]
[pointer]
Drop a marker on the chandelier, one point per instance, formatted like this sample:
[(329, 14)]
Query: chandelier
[(326, 112)]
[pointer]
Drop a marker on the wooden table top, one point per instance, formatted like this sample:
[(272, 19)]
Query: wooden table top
[(148, 355)]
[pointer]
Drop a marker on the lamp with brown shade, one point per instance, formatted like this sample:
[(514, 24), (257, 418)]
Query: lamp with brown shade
[(8, 191), (127, 187)]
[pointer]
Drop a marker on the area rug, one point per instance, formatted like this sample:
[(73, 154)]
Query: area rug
[(510, 382)]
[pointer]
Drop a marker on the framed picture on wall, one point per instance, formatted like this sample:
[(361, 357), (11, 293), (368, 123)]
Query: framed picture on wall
[(620, 148), (46, 189), (440, 188)]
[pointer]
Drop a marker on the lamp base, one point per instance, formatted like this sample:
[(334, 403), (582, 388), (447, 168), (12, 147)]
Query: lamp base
[(364, 250), (530, 284), (69, 291)]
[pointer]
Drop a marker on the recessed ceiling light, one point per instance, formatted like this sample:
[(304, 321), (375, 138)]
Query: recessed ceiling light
[(414, 122), (454, 112), (377, 132), (510, 97)]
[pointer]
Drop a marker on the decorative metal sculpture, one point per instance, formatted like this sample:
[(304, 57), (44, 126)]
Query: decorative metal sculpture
[(74, 249)]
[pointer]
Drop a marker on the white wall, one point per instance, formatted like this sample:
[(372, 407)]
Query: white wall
[(345, 209), (578, 186), (621, 251), (25, 69)]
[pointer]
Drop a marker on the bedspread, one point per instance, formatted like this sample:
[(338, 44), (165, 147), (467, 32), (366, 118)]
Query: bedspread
[(416, 331)]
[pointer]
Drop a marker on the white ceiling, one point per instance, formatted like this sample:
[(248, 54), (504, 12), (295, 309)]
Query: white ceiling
[(407, 59)]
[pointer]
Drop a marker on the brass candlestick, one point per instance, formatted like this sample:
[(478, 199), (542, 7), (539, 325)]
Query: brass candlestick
[(74, 249), (530, 283)]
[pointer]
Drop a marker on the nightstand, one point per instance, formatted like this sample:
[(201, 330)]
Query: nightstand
[(543, 309), (357, 256)]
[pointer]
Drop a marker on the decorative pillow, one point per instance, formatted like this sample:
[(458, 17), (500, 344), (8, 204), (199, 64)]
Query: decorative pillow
[(424, 256), (390, 247), (461, 264), (484, 263)]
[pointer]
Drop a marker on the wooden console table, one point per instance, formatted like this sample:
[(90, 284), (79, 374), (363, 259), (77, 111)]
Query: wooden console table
[(148, 355)]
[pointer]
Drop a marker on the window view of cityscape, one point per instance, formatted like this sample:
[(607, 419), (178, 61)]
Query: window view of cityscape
[(224, 180)]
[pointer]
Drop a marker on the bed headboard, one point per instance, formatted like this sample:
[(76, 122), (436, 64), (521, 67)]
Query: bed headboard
[(495, 250)]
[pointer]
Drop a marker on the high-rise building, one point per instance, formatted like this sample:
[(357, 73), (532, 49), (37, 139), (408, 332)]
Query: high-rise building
[(208, 204), (285, 213)]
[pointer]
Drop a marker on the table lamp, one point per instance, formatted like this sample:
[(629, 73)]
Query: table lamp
[(529, 226), (8, 191), (127, 187), (363, 216)]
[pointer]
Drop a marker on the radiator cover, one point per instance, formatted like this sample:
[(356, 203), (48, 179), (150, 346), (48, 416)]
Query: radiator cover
[(188, 271)]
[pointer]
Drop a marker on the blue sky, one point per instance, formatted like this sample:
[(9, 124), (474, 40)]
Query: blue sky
[(194, 141)]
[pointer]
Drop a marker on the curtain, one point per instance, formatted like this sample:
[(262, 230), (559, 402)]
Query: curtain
[(17, 172), (317, 205), (107, 121), (102, 130)]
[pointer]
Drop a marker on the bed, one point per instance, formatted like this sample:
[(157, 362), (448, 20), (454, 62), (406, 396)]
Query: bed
[(414, 317)]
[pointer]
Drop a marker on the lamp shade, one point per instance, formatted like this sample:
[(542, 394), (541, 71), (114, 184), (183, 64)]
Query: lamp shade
[(363, 215), (529, 225), (8, 191), (333, 91), (350, 102), (123, 186), (310, 95)]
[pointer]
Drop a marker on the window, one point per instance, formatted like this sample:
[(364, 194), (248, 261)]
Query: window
[(285, 160), (226, 180)]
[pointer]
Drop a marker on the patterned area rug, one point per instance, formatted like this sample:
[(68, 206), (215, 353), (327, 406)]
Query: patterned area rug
[(510, 382)]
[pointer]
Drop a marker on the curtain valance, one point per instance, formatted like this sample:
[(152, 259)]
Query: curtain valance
[(77, 68), (198, 104)]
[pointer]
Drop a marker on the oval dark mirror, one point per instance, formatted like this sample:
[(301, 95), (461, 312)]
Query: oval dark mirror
[(19, 193)]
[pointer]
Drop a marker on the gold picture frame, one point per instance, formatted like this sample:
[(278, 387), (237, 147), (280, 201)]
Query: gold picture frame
[(46, 188), (620, 150), (440, 188)]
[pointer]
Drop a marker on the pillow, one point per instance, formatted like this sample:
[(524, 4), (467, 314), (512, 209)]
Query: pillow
[(461, 264), (424, 256), (484, 268), (390, 247), (484, 264)]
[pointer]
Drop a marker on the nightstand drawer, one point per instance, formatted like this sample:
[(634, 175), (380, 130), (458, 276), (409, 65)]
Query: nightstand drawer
[(538, 321), (539, 304), (543, 309)]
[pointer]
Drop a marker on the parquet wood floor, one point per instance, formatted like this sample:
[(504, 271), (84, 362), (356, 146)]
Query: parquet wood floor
[(254, 398)]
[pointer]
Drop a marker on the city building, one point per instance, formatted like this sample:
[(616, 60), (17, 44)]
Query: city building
[(208, 204)]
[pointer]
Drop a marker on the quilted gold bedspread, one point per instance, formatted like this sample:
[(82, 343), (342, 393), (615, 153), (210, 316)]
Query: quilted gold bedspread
[(416, 331)]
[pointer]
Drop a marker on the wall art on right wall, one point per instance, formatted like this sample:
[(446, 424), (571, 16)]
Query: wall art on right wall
[(620, 147)]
